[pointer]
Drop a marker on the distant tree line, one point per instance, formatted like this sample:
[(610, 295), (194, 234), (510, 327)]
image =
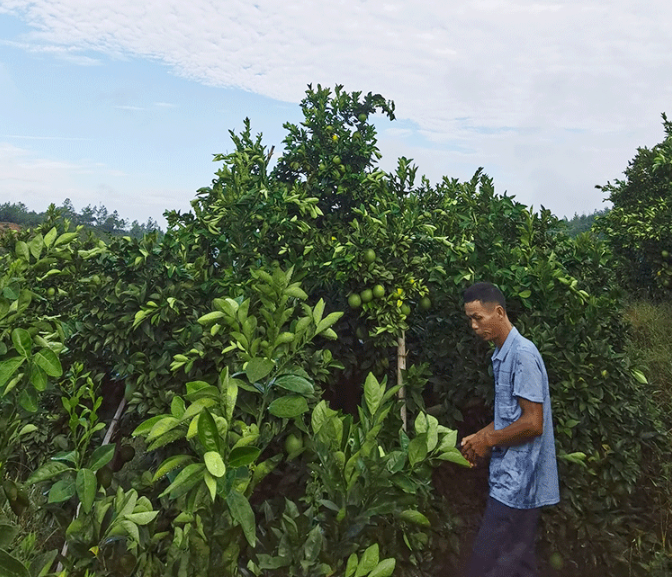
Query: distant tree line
[(98, 219), (582, 223)]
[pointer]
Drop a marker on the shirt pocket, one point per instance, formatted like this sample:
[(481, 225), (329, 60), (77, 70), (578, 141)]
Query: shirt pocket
[(507, 404)]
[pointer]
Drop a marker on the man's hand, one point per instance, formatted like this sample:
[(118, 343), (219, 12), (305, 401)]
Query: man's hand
[(477, 447), (530, 425)]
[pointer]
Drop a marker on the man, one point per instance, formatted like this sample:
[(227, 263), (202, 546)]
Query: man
[(523, 470)]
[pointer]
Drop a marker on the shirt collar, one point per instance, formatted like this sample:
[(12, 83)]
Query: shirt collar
[(500, 353)]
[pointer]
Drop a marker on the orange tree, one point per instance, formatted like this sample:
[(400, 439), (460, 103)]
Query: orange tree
[(561, 295), (639, 226), (290, 284)]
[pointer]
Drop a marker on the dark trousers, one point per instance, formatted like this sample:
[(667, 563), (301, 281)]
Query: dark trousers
[(504, 546)]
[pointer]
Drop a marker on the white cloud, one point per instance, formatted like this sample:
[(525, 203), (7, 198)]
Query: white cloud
[(499, 80), (36, 181)]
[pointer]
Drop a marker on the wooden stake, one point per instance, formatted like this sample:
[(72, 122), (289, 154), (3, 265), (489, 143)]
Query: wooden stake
[(106, 441), (401, 366)]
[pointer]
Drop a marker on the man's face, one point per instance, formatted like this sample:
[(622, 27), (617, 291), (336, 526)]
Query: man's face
[(486, 319)]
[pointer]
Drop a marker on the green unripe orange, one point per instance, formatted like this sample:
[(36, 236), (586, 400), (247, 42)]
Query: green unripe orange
[(379, 291), (51, 291), (293, 444), (362, 117), (366, 295), (127, 563), (405, 309), (425, 303), (556, 561), (336, 160), (355, 301), (104, 477), (11, 490), (369, 255), (127, 453)]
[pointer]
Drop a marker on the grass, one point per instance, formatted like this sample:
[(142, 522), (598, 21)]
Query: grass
[(651, 345)]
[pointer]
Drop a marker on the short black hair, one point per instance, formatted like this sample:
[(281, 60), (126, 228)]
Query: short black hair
[(485, 292)]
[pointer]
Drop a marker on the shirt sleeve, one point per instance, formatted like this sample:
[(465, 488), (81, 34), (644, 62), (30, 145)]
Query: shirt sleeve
[(528, 380)]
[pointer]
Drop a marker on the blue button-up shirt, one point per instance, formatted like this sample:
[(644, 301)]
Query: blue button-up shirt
[(522, 476)]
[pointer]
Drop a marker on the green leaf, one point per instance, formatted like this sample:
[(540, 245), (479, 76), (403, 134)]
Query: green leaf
[(40, 566), (421, 424), (62, 491), (449, 440), (208, 435), (242, 513), (385, 568), (318, 311), (47, 360), (177, 407), (432, 433), (170, 464), (288, 407), (197, 406), (296, 384), (162, 426), (21, 250), (313, 545), (7, 534), (86, 486), (243, 456), (258, 368), (71, 457), (639, 376), (417, 450), (211, 484), (194, 387), (525, 294), (327, 321), (211, 317), (416, 517), (369, 560), (185, 480), (101, 456), (295, 291), (373, 393), (28, 400), (50, 237), (321, 413), (454, 456), (22, 341), (578, 458), (142, 518), (351, 566), (214, 463), (11, 566), (146, 426), (27, 429), (38, 378), (66, 237), (8, 368), (231, 396), (35, 245)]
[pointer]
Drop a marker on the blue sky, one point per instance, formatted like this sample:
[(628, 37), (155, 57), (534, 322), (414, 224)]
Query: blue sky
[(124, 103)]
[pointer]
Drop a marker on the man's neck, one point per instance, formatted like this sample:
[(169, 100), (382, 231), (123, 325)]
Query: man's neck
[(500, 339)]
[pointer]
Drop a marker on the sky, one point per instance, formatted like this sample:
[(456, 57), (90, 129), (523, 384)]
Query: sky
[(124, 103)]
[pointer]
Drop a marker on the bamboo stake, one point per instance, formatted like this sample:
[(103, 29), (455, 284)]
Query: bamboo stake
[(106, 441), (401, 366)]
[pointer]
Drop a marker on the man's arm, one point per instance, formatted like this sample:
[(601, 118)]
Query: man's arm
[(527, 427)]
